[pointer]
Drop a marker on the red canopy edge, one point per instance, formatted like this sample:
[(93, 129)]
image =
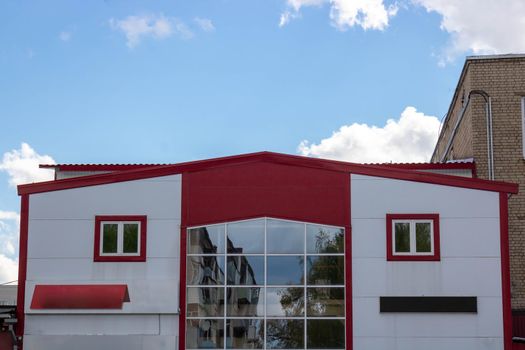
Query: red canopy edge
[(80, 296)]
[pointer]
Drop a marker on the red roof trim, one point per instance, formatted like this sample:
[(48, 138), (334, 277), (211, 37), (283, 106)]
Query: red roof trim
[(120, 167), (98, 167), (86, 296), (330, 165)]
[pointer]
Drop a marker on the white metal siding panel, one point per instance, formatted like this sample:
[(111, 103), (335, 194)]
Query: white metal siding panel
[(59, 238), (470, 266), (61, 242), (159, 198), (92, 325), (98, 342)]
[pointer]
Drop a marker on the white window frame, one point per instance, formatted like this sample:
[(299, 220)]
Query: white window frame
[(120, 238), (412, 231)]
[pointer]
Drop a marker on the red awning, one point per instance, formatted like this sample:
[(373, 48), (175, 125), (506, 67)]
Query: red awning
[(85, 296)]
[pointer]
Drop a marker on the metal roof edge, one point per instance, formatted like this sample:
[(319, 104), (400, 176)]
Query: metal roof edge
[(279, 158)]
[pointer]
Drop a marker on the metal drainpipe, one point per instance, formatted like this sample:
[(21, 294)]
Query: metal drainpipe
[(490, 145), (13, 337)]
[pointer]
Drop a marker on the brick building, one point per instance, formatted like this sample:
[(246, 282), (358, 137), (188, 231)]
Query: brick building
[(484, 122)]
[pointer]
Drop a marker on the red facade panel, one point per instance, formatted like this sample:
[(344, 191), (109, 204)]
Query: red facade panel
[(266, 189)]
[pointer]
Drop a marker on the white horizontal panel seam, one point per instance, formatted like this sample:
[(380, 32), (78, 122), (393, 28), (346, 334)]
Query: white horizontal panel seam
[(443, 257), (495, 297), (92, 219), (426, 337)]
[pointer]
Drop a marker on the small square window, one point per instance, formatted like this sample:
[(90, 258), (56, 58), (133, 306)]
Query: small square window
[(120, 238), (412, 237)]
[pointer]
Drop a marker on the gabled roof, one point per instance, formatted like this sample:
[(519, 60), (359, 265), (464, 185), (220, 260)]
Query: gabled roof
[(277, 158)]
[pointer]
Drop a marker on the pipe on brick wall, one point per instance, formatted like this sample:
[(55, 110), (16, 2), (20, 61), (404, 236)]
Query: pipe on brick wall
[(490, 144)]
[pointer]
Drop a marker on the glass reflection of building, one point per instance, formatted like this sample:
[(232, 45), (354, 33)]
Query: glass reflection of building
[(283, 287)]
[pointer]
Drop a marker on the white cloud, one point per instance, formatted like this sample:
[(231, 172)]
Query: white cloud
[(205, 24), (409, 139), (368, 14), (9, 228), (344, 14), (136, 28), (480, 26), (183, 30), (22, 166), (8, 269), (65, 36)]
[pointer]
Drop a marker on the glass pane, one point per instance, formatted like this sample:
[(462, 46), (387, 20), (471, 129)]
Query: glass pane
[(323, 239), (109, 238), (245, 301), (285, 270), (246, 237), (206, 240), (326, 302), (326, 270), (284, 334), (131, 238), (285, 301), (325, 334), (423, 237), (402, 237), (244, 334), (203, 302), (284, 237), (205, 270), (245, 270), (204, 334)]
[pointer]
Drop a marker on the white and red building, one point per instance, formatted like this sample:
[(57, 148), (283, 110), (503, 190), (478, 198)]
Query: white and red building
[(264, 251)]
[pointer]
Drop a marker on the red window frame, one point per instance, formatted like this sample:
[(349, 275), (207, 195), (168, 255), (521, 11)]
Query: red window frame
[(390, 256), (123, 258)]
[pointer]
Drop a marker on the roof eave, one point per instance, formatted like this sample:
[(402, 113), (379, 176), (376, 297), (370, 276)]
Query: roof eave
[(278, 158)]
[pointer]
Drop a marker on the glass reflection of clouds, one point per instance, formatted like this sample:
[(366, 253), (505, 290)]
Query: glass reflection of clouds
[(285, 301), (284, 237), (246, 237), (285, 270)]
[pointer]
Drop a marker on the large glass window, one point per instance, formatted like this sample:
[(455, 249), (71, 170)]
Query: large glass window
[(265, 284)]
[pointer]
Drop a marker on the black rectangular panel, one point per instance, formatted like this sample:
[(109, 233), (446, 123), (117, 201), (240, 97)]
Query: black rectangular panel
[(428, 304)]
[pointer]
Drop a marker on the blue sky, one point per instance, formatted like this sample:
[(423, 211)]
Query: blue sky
[(168, 81)]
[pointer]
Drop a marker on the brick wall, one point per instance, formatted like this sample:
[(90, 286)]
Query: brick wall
[(504, 80)]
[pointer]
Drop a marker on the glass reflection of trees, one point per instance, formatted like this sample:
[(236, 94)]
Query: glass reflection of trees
[(327, 301), (288, 310)]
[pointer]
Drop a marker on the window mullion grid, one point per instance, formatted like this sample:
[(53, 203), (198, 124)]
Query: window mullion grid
[(225, 284), (265, 283), (305, 278)]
